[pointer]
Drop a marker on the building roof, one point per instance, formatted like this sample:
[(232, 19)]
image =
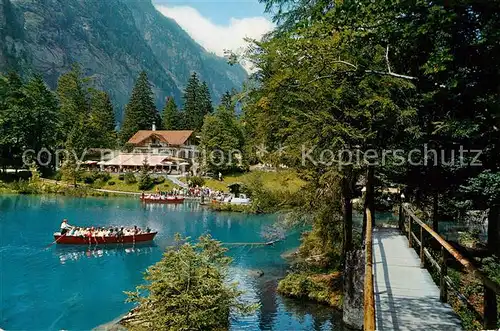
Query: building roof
[(172, 137)]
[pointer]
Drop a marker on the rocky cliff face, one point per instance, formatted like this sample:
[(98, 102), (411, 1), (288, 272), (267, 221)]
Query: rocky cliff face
[(113, 40)]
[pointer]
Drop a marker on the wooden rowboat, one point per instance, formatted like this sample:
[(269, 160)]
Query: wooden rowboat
[(80, 240), (163, 200)]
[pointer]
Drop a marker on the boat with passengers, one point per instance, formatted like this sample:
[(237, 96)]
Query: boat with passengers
[(74, 235), (160, 198)]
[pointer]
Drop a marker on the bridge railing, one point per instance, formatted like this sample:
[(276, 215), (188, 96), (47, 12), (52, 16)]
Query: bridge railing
[(407, 222), (369, 296)]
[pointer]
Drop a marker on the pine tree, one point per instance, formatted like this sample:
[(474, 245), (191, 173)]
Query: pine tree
[(145, 180), (226, 101), (43, 113), (170, 115), (80, 137), (72, 91), (102, 120), (204, 103), (190, 109), (15, 83), (140, 112), (197, 103), (13, 120)]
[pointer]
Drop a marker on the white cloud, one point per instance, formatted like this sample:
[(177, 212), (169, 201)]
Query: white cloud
[(217, 38)]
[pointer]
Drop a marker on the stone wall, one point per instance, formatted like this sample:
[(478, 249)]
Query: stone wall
[(354, 271)]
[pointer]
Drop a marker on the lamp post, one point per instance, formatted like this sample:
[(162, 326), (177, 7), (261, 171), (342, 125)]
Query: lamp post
[(401, 216)]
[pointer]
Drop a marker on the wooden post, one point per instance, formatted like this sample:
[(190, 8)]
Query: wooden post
[(370, 191), (443, 293), (369, 297), (435, 204), (401, 216), (490, 309), (422, 256), (409, 231)]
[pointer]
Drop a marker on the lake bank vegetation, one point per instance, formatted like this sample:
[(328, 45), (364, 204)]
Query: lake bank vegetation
[(82, 183), (188, 289), (269, 191)]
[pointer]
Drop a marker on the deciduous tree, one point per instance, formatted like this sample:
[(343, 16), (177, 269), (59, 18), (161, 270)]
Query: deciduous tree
[(222, 141)]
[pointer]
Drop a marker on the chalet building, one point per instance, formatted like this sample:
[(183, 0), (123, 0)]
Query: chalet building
[(177, 143), (165, 151)]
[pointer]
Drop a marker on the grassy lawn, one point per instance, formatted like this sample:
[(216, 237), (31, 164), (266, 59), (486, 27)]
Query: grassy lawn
[(62, 187), (279, 180), (120, 185)]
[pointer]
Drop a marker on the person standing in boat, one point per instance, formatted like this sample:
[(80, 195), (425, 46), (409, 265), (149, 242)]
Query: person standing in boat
[(120, 234), (65, 227)]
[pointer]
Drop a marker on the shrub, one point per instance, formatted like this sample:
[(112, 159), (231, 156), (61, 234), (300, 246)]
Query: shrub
[(98, 183), (469, 238), (103, 176), (24, 187), (88, 178), (130, 178), (111, 182), (146, 183), (58, 175), (159, 180), (194, 181), (323, 288), (121, 177)]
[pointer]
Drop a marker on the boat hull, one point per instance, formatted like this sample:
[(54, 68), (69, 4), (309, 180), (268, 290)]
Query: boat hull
[(72, 240), (176, 200)]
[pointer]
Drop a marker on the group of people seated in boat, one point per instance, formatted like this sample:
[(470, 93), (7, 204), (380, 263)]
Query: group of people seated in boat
[(74, 231), (160, 196)]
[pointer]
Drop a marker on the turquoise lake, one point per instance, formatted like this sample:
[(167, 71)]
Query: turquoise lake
[(77, 288)]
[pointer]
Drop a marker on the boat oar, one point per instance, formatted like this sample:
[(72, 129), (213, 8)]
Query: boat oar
[(55, 241)]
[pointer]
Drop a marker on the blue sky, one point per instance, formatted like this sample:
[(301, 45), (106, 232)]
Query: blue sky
[(218, 25), (221, 11)]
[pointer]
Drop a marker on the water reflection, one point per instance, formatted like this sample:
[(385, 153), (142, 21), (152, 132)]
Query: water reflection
[(268, 303), (74, 252), (320, 317), (191, 206)]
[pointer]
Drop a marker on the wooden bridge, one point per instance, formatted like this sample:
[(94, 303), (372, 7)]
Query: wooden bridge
[(400, 293)]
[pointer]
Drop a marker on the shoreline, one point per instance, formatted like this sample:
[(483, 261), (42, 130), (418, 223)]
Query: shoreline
[(260, 275)]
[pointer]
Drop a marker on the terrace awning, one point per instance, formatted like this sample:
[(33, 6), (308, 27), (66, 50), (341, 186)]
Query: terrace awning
[(117, 160), (137, 160)]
